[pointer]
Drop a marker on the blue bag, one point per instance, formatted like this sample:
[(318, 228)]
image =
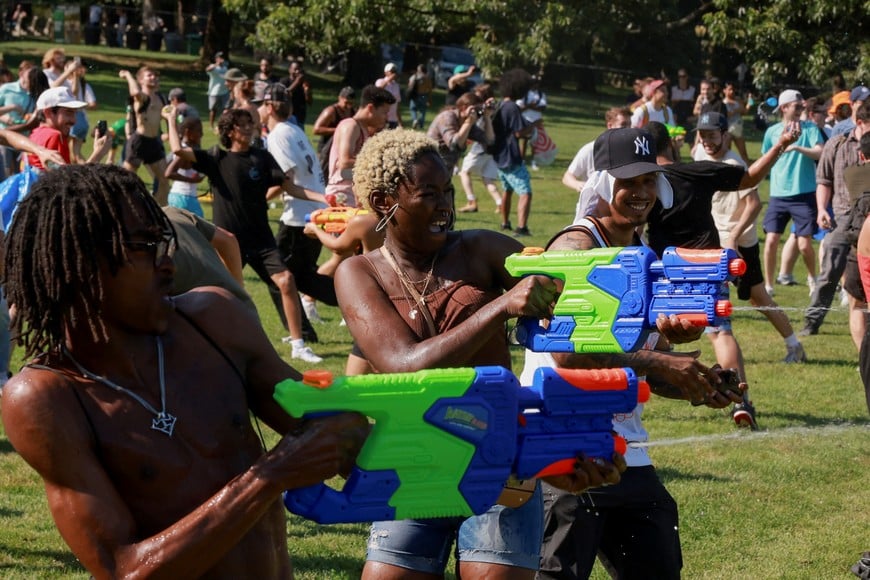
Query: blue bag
[(13, 189)]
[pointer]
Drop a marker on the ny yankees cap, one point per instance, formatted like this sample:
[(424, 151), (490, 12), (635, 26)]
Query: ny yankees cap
[(625, 153)]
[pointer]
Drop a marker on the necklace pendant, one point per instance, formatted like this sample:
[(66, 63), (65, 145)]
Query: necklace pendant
[(164, 422), (413, 314)]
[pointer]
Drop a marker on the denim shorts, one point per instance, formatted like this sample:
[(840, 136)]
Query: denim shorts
[(516, 179), (501, 535)]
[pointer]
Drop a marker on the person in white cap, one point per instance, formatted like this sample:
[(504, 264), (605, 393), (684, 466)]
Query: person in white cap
[(792, 185), (58, 107), (388, 82)]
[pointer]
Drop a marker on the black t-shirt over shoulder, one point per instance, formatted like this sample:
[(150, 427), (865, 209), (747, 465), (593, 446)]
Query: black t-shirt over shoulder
[(689, 222), (239, 183)]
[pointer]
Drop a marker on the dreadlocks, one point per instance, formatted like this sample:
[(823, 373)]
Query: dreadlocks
[(70, 222)]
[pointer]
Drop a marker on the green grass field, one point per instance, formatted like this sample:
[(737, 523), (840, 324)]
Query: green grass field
[(790, 501)]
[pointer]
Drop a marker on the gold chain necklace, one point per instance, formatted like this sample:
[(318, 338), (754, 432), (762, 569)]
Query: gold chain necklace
[(408, 285)]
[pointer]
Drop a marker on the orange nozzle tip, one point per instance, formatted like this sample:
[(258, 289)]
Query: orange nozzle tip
[(533, 251), (643, 391), (619, 445), (724, 308), (737, 267), (317, 378)]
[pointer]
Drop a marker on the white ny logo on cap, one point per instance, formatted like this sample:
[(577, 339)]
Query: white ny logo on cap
[(641, 146)]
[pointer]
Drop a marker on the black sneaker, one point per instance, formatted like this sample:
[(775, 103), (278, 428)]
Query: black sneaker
[(744, 415), (522, 232), (506, 227), (808, 331)]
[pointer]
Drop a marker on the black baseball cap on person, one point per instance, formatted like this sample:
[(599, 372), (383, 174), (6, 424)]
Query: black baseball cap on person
[(625, 153), (712, 121)]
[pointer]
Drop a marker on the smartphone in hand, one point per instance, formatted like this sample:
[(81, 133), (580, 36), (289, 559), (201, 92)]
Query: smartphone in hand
[(102, 128)]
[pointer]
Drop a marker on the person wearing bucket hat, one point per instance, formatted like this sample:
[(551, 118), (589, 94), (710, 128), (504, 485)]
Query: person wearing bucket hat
[(792, 185), (602, 521), (688, 223)]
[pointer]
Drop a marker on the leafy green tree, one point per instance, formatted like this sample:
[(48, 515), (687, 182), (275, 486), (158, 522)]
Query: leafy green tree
[(805, 41)]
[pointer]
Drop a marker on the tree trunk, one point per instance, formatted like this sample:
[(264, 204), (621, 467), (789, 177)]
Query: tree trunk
[(218, 29)]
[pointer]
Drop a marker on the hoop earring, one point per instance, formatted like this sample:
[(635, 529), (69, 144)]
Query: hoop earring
[(387, 217)]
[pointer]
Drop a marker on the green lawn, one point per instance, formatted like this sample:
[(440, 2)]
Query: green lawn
[(788, 502)]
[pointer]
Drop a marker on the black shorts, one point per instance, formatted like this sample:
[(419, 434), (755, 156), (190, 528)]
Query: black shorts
[(265, 261), (852, 278), (142, 149), (753, 274)]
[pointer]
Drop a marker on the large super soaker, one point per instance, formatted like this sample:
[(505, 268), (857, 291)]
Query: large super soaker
[(612, 296), (445, 441)]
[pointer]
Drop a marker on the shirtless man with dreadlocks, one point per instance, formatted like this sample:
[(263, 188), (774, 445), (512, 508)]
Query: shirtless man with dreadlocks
[(135, 409)]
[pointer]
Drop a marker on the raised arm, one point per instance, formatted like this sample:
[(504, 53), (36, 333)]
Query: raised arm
[(180, 152), (759, 170)]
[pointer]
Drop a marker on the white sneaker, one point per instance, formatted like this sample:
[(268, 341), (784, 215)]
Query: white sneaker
[(811, 284), (305, 354), (795, 354), (310, 308)]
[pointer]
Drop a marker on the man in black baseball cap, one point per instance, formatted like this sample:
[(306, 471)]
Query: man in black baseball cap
[(629, 178)]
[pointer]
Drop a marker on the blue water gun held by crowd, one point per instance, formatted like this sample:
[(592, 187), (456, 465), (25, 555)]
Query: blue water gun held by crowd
[(612, 296), (445, 441)]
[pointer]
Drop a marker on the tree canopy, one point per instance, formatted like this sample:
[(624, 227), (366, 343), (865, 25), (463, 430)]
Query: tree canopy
[(781, 40)]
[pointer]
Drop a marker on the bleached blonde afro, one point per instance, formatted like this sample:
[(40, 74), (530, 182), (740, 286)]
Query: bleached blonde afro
[(386, 159)]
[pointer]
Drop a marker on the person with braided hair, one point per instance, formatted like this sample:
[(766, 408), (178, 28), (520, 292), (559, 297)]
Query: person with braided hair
[(135, 407)]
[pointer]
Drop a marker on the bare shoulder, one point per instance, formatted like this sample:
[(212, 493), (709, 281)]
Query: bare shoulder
[(42, 417), (221, 315), (573, 240)]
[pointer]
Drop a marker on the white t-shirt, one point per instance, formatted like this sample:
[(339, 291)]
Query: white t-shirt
[(728, 206), (581, 167), (291, 148), (665, 115)]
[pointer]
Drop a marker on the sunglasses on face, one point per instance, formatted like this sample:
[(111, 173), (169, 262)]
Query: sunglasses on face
[(159, 249)]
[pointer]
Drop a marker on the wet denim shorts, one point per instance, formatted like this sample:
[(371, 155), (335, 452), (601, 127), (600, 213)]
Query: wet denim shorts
[(501, 535)]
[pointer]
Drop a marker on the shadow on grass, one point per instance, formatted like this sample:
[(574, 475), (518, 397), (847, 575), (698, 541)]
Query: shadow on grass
[(65, 561), (7, 513), (5, 446)]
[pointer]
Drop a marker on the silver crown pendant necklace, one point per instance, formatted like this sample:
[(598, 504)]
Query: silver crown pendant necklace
[(162, 421)]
